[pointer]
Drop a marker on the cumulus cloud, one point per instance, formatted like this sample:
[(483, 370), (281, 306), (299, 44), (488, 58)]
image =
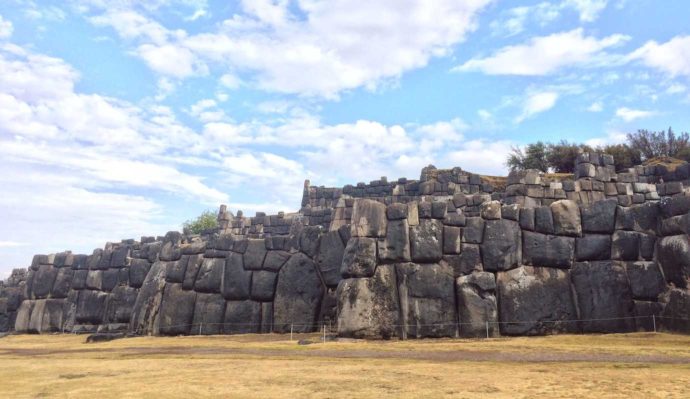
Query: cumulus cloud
[(672, 57), (536, 103), (596, 106), (311, 47), (629, 115), (515, 20), (545, 55), (6, 28)]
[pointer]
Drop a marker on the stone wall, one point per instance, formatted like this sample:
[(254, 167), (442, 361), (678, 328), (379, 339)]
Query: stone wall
[(446, 255)]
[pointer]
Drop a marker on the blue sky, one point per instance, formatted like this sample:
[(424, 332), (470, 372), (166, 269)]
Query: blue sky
[(118, 119)]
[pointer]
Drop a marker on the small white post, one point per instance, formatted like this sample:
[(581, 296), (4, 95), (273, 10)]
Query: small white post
[(200, 324), (324, 333), (290, 332), (487, 329), (654, 321)]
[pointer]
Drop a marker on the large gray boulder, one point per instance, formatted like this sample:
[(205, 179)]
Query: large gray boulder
[(176, 310), (426, 241), (427, 300), (144, 314), (120, 304), (593, 247), (368, 218), (646, 280), (209, 313), (536, 301), (501, 249), (46, 316), (359, 258), (43, 281), (368, 307), (176, 270), (625, 245), (298, 295), (599, 216), (676, 311), (138, 270), (547, 250), (673, 254), (255, 254), (566, 218), (276, 259), (603, 297), (477, 305), (210, 275), (329, 258), (395, 247), (242, 317), (236, 281), (91, 307), (643, 218), (63, 283), (263, 285)]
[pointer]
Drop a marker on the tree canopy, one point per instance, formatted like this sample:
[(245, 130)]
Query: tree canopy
[(207, 220)]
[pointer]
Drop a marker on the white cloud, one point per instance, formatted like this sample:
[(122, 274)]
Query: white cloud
[(319, 53), (6, 28), (676, 88), (481, 156), (536, 103), (545, 55), (596, 106), (6, 244), (589, 10), (672, 57), (630, 115)]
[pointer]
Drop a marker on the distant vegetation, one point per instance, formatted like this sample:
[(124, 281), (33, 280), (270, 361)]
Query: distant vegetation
[(207, 220), (639, 147)]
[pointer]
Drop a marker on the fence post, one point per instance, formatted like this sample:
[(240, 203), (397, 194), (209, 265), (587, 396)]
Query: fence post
[(290, 332), (654, 321), (324, 333), (487, 329), (200, 324)]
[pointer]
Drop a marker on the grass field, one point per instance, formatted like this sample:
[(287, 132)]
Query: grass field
[(616, 365)]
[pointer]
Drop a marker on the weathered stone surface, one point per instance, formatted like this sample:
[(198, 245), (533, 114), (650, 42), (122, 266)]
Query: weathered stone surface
[(263, 285), (191, 272), (527, 219), (368, 307), (94, 280), (566, 218), (79, 279), (599, 216), (109, 279), (477, 305), (170, 252), (255, 254), (43, 281), (210, 275), (473, 232), (452, 240), (673, 254), (145, 311), (676, 205), (242, 317), (91, 307), (120, 304), (675, 311), (138, 270), (298, 295), (543, 220), (276, 259), (21, 324), (176, 310), (547, 250), (501, 249), (310, 238), (643, 218), (646, 280), (368, 218), (63, 283), (329, 258), (427, 300), (46, 316), (395, 247), (468, 261), (236, 280), (119, 257), (396, 211), (176, 270), (625, 245), (426, 241), (490, 210), (647, 315), (535, 300), (359, 258), (603, 297), (209, 313), (593, 247)]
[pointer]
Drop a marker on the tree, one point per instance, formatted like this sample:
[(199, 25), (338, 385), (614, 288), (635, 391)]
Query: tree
[(534, 157), (623, 155), (207, 220), (561, 157), (659, 144)]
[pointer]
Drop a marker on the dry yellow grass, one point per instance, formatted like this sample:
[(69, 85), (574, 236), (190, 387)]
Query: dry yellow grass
[(617, 366)]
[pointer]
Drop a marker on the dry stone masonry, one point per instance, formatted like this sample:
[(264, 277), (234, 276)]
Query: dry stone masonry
[(447, 255)]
